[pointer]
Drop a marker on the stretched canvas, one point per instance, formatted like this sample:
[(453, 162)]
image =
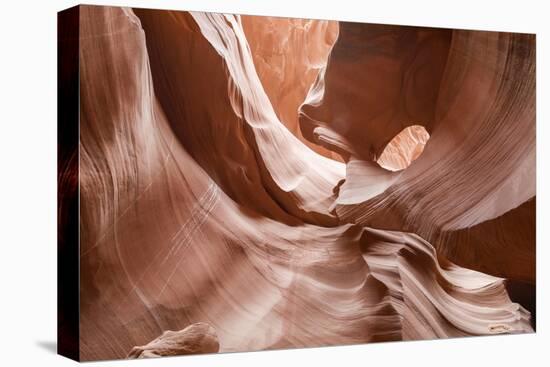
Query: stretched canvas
[(235, 183)]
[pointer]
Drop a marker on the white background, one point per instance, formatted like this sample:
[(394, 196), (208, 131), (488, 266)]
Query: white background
[(28, 181)]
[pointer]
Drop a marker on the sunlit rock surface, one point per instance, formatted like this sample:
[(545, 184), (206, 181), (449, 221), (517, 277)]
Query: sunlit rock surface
[(288, 53), (201, 203), (404, 148)]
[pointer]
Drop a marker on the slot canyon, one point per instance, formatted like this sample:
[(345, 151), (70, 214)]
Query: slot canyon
[(251, 183)]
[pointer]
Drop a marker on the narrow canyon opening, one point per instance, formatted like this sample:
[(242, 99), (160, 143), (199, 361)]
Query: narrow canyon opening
[(404, 148)]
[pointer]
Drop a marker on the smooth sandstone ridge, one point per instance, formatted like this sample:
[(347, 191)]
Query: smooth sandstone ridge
[(211, 202)]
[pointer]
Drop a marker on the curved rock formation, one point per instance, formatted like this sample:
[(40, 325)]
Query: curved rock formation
[(476, 97), (198, 205)]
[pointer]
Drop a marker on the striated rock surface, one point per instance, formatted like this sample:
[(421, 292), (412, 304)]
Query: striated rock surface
[(475, 95), (200, 207)]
